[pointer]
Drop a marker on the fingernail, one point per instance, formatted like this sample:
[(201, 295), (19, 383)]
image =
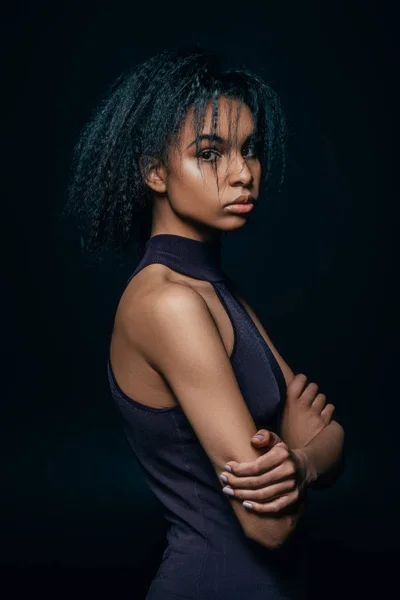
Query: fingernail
[(227, 468), (223, 478), (228, 490), (247, 504), (259, 436)]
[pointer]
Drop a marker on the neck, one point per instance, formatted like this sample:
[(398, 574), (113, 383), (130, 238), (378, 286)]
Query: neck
[(165, 221)]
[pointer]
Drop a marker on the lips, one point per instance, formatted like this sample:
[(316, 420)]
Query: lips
[(243, 199)]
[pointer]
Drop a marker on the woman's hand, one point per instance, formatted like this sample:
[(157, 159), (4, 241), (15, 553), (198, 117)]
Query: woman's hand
[(304, 413), (273, 481), (271, 485)]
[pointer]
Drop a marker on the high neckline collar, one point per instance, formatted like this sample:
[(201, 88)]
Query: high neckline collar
[(195, 258)]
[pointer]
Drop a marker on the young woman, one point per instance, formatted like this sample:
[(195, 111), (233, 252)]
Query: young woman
[(176, 156)]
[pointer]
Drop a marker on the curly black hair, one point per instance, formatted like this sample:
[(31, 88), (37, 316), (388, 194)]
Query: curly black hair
[(139, 117)]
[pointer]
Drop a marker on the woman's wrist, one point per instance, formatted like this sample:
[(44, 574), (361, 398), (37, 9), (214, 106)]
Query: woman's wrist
[(309, 471)]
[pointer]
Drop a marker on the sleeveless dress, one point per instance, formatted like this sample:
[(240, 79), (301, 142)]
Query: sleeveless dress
[(208, 556)]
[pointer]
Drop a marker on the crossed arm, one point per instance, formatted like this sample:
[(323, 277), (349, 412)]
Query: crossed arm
[(323, 447), (325, 455), (202, 378), (317, 444)]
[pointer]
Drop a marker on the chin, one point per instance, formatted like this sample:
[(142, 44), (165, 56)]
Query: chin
[(233, 224)]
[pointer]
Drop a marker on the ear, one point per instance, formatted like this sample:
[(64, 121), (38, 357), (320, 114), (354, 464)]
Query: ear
[(154, 176)]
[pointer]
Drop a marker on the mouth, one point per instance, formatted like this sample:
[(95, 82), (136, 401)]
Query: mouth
[(240, 207), (243, 199)]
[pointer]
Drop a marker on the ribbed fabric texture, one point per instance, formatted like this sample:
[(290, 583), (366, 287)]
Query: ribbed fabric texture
[(208, 557)]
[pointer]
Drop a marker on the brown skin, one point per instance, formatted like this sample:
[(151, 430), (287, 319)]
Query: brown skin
[(269, 482), (311, 413), (186, 202)]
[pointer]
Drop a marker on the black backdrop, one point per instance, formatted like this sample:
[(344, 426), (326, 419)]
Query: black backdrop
[(319, 266)]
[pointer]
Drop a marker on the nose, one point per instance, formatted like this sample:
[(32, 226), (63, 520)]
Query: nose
[(239, 171)]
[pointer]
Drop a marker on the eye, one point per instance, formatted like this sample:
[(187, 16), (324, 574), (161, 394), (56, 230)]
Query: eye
[(253, 150), (204, 153)]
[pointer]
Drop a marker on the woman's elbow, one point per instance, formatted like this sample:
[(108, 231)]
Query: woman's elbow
[(273, 533)]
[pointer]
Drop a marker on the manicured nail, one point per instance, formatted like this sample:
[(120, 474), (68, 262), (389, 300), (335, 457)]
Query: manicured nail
[(228, 490), (227, 468), (259, 436), (223, 478), (247, 504)]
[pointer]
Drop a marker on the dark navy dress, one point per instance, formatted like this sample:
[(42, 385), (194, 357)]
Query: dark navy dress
[(208, 557)]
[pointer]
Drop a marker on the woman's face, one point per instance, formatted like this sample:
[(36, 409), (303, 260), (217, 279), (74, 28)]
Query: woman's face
[(188, 200)]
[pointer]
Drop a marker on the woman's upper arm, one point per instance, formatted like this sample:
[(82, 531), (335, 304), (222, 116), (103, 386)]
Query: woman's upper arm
[(184, 344)]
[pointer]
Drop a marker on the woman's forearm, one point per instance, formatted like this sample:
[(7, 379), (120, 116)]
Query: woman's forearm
[(325, 452), (273, 531)]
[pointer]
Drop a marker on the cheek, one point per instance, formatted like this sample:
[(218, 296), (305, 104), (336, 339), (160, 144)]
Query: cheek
[(197, 176), (256, 170)]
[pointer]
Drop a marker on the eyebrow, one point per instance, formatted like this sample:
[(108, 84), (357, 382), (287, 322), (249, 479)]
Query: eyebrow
[(216, 138)]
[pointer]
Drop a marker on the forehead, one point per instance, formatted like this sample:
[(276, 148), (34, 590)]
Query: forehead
[(229, 111)]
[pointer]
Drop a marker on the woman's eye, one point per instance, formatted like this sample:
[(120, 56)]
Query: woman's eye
[(253, 150), (207, 155), (204, 155)]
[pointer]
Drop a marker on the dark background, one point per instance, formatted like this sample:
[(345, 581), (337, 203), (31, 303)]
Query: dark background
[(318, 265)]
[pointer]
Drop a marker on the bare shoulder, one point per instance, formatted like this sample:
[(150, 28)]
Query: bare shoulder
[(177, 301), (154, 281), (172, 315), (154, 299)]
